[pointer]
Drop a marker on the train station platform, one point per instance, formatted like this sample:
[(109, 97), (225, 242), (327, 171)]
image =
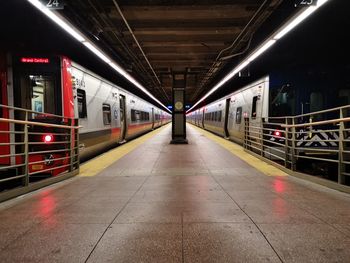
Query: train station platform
[(151, 201)]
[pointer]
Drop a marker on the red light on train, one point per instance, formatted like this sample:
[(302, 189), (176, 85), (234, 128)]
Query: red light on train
[(48, 138), (277, 133), (35, 60)]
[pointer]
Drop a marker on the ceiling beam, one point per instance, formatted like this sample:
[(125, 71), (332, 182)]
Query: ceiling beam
[(178, 12), (181, 38)]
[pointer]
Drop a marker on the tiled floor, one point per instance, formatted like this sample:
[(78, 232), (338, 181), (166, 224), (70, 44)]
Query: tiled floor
[(178, 203)]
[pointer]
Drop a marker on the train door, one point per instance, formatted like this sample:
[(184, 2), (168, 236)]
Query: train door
[(153, 119), (4, 127), (203, 113), (227, 112), (122, 117)]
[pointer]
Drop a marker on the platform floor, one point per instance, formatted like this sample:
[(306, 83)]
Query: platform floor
[(177, 203)]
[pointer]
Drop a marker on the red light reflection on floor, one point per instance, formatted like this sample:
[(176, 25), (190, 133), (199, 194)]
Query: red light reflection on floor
[(47, 205), (279, 186)]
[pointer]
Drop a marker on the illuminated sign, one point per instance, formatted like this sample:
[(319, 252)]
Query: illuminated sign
[(35, 60), (304, 2), (53, 4)]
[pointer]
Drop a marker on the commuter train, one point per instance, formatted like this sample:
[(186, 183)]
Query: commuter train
[(280, 94), (54, 86), (225, 116)]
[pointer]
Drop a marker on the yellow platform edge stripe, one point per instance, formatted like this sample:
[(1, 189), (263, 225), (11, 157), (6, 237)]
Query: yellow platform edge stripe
[(101, 162), (239, 152)]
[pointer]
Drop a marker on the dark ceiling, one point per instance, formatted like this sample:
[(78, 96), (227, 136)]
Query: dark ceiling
[(170, 37), (200, 38)]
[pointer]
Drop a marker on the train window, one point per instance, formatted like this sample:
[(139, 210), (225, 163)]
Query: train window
[(219, 116), (146, 116), (316, 104), (135, 115), (344, 97), (41, 91), (239, 115), (255, 100), (82, 103), (316, 101), (106, 111)]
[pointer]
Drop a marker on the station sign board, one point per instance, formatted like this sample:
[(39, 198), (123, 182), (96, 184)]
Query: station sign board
[(53, 4), (304, 3)]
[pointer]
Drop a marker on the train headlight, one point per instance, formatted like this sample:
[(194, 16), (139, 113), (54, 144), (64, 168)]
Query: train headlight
[(48, 138), (277, 133)]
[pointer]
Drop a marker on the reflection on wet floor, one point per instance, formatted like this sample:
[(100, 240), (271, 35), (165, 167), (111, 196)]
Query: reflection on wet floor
[(178, 203)]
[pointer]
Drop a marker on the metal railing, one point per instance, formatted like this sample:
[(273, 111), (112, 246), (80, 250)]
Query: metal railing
[(316, 143), (35, 146)]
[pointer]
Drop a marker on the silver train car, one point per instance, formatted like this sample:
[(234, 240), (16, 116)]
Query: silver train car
[(108, 114), (55, 90), (225, 116)]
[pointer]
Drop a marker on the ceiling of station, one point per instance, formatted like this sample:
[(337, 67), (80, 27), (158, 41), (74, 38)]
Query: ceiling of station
[(153, 39)]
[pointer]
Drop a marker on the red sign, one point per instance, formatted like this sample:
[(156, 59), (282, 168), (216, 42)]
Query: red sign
[(35, 60)]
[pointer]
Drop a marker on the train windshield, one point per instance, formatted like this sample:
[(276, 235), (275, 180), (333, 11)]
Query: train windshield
[(42, 89), (37, 93), (282, 101)]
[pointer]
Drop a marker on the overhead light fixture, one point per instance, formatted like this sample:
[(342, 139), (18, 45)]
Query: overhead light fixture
[(70, 29), (261, 50), (287, 27), (96, 51)]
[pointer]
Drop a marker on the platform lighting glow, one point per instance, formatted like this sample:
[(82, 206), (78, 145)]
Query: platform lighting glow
[(261, 50), (88, 44), (97, 52), (287, 27)]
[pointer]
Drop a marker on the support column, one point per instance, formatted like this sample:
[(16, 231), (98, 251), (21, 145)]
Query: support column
[(179, 109)]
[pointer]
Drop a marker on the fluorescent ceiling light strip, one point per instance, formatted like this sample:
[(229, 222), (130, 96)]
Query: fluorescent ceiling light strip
[(78, 36), (261, 50), (96, 52), (267, 44), (300, 18), (121, 71)]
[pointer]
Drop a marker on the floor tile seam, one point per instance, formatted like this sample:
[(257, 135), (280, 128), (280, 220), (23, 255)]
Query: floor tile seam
[(122, 209), (39, 222), (111, 223), (211, 138), (324, 222), (36, 224), (154, 164), (147, 223), (184, 222), (253, 222), (182, 239), (8, 204), (195, 223), (136, 143), (288, 223)]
